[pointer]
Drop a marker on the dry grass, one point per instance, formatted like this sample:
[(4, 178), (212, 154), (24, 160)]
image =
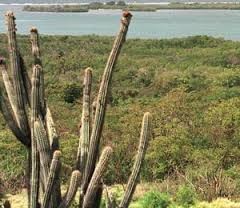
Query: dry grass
[(18, 200)]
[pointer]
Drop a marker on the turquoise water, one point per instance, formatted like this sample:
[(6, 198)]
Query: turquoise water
[(162, 24)]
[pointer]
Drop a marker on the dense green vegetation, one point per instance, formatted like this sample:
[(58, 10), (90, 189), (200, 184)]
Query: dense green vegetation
[(190, 85), (132, 7), (55, 8)]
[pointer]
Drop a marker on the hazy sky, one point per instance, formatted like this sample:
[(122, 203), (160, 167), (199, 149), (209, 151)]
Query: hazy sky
[(79, 1)]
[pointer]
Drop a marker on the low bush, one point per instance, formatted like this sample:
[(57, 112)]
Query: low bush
[(155, 199), (71, 92), (185, 196)]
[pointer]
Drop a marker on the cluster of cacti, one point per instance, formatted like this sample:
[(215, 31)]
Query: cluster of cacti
[(26, 112)]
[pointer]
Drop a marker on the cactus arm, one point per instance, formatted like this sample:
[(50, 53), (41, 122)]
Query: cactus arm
[(35, 170), (21, 117), (8, 86), (51, 131), (39, 133), (54, 169), (85, 128), (74, 184), (50, 135), (132, 182), (54, 145), (35, 45), (35, 173), (102, 96), (53, 137), (43, 148), (34, 36), (7, 105), (95, 182), (11, 122)]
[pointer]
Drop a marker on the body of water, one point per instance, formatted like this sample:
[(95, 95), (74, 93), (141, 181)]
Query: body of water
[(161, 24)]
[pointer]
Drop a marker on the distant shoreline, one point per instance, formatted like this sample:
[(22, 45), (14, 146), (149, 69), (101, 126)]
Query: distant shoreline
[(121, 5)]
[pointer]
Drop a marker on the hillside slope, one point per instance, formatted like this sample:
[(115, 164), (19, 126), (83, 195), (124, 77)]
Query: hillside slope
[(191, 85)]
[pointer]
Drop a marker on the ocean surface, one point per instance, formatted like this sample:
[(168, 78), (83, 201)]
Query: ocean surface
[(161, 24)]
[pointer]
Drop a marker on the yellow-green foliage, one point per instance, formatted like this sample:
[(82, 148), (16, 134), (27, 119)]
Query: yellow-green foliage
[(190, 85), (219, 203)]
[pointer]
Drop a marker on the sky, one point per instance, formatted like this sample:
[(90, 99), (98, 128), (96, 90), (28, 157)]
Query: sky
[(83, 1)]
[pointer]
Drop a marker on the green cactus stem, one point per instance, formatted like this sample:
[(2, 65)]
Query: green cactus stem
[(102, 97), (10, 119), (51, 131), (34, 37), (54, 169), (85, 127), (95, 182), (18, 86), (35, 108), (50, 135), (54, 145), (74, 184), (6, 105), (35, 173), (9, 87), (133, 179), (43, 148)]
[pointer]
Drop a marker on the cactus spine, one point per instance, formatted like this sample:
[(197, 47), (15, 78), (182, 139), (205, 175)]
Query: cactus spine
[(132, 182)]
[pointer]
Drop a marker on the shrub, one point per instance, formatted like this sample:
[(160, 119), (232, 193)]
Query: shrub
[(232, 81), (155, 199), (121, 3), (71, 93), (110, 3), (194, 81), (185, 196)]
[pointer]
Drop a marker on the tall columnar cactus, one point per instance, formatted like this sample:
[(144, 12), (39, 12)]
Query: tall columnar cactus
[(36, 130), (35, 173), (102, 96), (8, 104), (34, 37), (85, 122), (19, 91)]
